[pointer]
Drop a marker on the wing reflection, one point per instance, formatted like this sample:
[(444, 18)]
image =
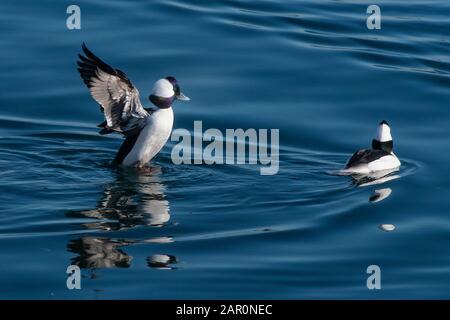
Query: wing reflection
[(96, 253), (134, 199)]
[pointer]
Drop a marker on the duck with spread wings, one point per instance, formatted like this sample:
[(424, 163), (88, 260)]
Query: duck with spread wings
[(146, 130)]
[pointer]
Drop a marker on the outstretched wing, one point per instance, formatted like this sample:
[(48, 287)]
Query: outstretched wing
[(115, 93)]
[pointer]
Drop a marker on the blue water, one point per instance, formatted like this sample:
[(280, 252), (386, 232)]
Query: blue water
[(311, 69)]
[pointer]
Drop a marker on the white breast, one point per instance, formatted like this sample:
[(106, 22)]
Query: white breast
[(152, 137)]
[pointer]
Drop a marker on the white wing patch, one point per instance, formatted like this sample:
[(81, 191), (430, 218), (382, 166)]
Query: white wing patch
[(384, 163), (163, 88)]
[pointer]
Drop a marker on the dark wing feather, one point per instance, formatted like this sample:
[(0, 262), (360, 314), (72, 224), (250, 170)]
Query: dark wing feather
[(111, 88), (104, 125), (365, 156)]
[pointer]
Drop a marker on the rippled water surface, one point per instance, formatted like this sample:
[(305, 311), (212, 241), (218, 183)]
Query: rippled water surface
[(308, 68)]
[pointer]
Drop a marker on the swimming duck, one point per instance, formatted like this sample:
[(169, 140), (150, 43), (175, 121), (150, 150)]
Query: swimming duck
[(146, 130), (380, 158)]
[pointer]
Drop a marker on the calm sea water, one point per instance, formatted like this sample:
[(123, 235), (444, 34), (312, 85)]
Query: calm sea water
[(308, 68)]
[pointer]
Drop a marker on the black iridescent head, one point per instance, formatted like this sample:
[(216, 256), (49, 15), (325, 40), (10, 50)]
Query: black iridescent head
[(176, 86), (165, 92)]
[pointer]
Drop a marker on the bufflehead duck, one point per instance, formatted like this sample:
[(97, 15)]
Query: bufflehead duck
[(146, 130), (379, 158)]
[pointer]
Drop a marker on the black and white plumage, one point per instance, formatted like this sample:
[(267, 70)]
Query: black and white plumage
[(146, 130), (380, 158)]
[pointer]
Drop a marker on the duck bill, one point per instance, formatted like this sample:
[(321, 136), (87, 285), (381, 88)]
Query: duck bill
[(182, 97)]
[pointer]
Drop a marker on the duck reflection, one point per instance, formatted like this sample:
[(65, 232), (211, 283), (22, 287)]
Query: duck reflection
[(161, 261), (134, 199), (380, 195), (374, 178)]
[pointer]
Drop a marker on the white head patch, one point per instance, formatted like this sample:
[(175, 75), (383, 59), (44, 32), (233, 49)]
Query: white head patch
[(383, 133), (163, 88)]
